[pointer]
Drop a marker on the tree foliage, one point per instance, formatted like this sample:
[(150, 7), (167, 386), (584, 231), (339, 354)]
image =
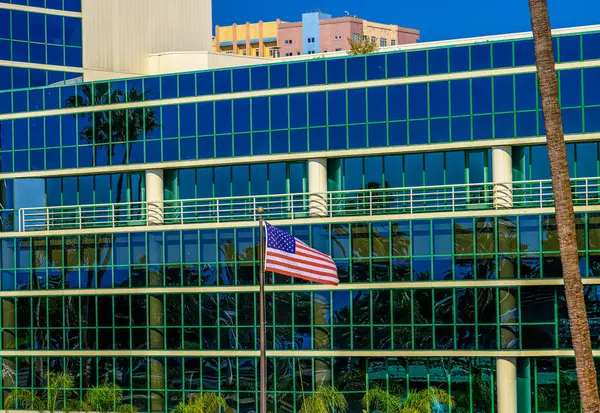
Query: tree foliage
[(106, 398), (362, 45), (202, 403), (325, 400), (422, 401), (53, 398)]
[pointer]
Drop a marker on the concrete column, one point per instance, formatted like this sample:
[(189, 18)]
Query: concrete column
[(234, 38), (317, 187), (506, 371), (155, 196), (261, 39), (506, 368), (502, 176), (248, 38)]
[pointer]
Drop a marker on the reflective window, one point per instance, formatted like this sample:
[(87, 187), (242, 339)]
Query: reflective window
[(439, 99), (503, 54), (396, 65), (417, 63), (591, 46), (461, 129), (572, 120), (204, 82), (439, 130), (356, 68), (570, 48), (524, 53), (417, 100), (570, 88), (279, 112), (481, 57), (482, 95), (205, 118), (357, 136), (418, 132), (278, 76), (241, 110), (260, 114), (357, 106), (526, 124), (338, 137), (461, 101), (241, 80), (336, 71), (375, 67), (503, 94), (377, 99), (438, 61), (459, 59), (316, 72), (317, 112), (336, 102), (297, 74), (260, 77), (482, 127), (223, 116), (378, 135), (504, 125), (526, 91), (591, 81), (397, 102), (223, 81), (592, 119), (298, 111)]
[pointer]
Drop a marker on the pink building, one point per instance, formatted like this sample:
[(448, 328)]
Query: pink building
[(319, 33)]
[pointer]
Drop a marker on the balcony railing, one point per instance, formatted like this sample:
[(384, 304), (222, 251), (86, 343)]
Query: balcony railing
[(366, 202)]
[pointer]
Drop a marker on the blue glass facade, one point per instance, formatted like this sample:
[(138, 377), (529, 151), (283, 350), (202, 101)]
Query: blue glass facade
[(440, 276)]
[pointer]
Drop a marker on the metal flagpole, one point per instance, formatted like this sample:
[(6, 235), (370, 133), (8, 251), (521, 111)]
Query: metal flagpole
[(261, 297)]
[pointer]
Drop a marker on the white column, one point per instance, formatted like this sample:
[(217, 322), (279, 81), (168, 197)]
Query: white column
[(502, 176), (155, 196), (317, 187), (506, 373), (506, 368)]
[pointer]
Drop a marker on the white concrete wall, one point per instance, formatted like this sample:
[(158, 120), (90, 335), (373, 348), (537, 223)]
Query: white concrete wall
[(118, 35), (190, 61)]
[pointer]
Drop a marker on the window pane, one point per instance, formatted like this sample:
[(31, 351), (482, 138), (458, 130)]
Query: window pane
[(481, 57), (438, 99), (503, 55), (438, 61), (417, 63)]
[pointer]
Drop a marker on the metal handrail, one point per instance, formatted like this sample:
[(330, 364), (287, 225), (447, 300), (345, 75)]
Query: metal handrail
[(368, 202)]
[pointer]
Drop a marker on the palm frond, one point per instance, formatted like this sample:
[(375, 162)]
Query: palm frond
[(203, 403), (324, 400), (378, 399), (126, 408), (24, 399), (104, 398), (423, 401)]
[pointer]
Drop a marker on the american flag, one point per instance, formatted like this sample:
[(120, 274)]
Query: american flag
[(289, 256)]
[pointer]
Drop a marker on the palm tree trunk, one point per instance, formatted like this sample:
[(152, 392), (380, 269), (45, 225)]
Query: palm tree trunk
[(565, 217)]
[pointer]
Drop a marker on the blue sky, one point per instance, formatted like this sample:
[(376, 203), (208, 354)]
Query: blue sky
[(437, 19)]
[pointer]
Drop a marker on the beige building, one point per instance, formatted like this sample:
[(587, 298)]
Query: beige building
[(249, 39)]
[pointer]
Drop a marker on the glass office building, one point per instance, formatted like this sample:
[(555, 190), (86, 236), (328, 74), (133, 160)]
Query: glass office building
[(128, 249)]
